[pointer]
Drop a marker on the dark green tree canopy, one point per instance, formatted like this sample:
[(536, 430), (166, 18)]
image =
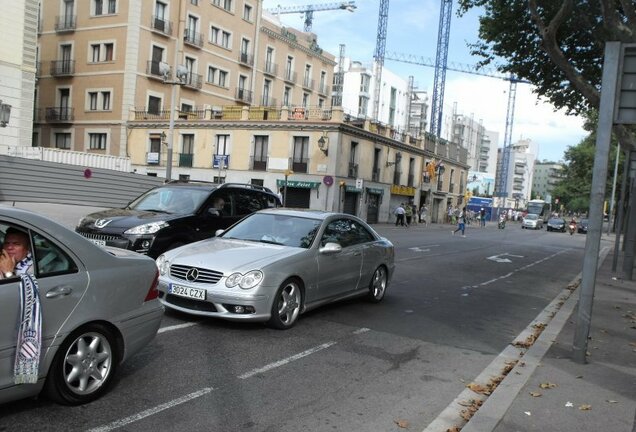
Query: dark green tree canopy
[(557, 45)]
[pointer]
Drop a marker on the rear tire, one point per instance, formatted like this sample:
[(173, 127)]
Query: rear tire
[(84, 366), (287, 305)]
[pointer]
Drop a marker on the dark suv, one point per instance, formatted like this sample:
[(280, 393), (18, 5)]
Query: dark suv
[(175, 214)]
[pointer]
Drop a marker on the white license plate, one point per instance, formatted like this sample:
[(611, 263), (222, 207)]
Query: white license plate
[(188, 292), (99, 242)]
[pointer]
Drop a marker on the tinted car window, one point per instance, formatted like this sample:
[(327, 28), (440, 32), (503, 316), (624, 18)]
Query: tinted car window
[(50, 259), (345, 232), (247, 202)]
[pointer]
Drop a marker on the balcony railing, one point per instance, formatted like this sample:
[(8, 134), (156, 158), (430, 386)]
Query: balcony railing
[(59, 114), (65, 23), (62, 67), (246, 59), (160, 25), (353, 170), (193, 38), (259, 165), (271, 68), (268, 101), (290, 76), (193, 81), (243, 95), (299, 167), (185, 159), (152, 68), (308, 83)]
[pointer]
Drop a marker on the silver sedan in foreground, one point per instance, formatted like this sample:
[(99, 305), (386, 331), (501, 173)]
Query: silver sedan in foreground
[(276, 264), (98, 308)]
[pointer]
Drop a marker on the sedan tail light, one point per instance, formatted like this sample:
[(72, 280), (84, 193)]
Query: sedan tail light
[(153, 292)]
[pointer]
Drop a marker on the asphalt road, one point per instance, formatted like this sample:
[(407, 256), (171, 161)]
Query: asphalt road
[(454, 304)]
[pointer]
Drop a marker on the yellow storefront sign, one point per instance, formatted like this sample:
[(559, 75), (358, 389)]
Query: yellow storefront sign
[(402, 190)]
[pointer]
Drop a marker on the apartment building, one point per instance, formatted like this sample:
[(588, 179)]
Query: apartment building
[(19, 21), (103, 58), (520, 170), (546, 176)]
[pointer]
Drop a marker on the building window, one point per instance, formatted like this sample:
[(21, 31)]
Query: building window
[(194, 2), (223, 4), (154, 105), (104, 7), (301, 152), (97, 141), (218, 77), (99, 101), (92, 101), (223, 144), (247, 12), (102, 52), (220, 37), (63, 140), (305, 99), (287, 96), (155, 144), (260, 152), (105, 100)]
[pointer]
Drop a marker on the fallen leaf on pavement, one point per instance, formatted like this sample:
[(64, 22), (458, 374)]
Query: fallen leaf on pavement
[(569, 404), (453, 429), (402, 423), (527, 413), (611, 401), (585, 407), (535, 394), (478, 388), (547, 385)]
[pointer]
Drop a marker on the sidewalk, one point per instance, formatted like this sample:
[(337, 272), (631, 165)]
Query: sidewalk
[(548, 391)]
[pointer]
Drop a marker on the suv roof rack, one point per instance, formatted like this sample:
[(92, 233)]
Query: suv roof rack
[(246, 186), (189, 181)]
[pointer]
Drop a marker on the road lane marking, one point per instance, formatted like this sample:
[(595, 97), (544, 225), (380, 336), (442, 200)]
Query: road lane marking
[(285, 361), (177, 326), (152, 411)]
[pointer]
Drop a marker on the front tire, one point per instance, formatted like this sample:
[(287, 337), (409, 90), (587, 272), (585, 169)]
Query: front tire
[(286, 306), (84, 366), (378, 284)]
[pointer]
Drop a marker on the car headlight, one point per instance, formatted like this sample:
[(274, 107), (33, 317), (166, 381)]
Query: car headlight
[(163, 264), (245, 281), (149, 228)]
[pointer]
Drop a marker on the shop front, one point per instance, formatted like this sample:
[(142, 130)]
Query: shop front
[(374, 200), (297, 193)]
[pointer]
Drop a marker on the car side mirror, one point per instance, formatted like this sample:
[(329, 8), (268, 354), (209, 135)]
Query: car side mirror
[(330, 248)]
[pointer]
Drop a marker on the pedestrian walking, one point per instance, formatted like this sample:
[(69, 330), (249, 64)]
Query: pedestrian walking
[(399, 215), (461, 222), (408, 213), (422, 214), (482, 217)]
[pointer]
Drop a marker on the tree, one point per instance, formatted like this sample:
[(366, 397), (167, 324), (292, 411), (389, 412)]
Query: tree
[(557, 45)]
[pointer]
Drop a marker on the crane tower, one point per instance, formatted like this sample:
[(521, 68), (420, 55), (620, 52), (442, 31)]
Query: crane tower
[(441, 58), (378, 55), (309, 10)]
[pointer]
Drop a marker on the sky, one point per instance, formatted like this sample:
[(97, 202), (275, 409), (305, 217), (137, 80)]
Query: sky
[(412, 30)]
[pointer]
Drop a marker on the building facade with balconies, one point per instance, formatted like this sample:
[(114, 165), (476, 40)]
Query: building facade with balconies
[(546, 176), (520, 173)]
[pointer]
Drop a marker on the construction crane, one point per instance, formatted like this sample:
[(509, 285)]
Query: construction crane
[(501, 184), (441, 59), (378, 55), (309, 10)]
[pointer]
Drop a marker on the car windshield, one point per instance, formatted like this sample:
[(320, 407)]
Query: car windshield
[(177, 200), (532, 217), (276, 229)]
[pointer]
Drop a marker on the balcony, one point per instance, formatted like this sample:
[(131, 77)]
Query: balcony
[(259, 165), (59, 114), (308, 83), (161, 26), (323, 89), (290, 76), (185, 159), (375, 174), (244, 95), (270, 68), (268, 102), (62, 67), (299, 167), (193, 81), (152, 69), (246, 59), (353, 170), (192, 38), (65, 23)]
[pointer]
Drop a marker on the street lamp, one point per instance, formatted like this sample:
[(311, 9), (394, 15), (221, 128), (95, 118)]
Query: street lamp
[(181, 75), (5, 114)]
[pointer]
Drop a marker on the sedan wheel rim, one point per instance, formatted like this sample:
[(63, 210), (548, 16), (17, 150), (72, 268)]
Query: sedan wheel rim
[(289, 303), (379, 283), (88, 363)]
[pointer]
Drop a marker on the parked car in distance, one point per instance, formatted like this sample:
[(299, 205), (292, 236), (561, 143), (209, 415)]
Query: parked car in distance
[(532, 221), (581, 227), (556, 224), (98, 306), (175, 214), (276, 264)]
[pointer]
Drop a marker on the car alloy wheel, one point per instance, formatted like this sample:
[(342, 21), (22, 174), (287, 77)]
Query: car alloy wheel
[(83, 366), (377, 287), (287, 305)]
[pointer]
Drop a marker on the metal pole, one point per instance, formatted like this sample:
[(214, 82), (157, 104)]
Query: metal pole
[(592, 244), (611, 210), (173, 95), (285, 191), (620, 210)]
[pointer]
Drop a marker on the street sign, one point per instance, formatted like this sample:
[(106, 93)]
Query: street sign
[(359, 183), (220, 161)]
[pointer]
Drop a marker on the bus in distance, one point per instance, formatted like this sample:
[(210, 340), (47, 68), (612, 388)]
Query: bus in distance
[(540, 208)]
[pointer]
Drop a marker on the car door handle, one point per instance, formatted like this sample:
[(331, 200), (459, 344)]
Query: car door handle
[(59, 291)]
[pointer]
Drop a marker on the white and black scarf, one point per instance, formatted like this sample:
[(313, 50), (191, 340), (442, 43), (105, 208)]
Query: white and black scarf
[(27, 355), (24, 265)]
